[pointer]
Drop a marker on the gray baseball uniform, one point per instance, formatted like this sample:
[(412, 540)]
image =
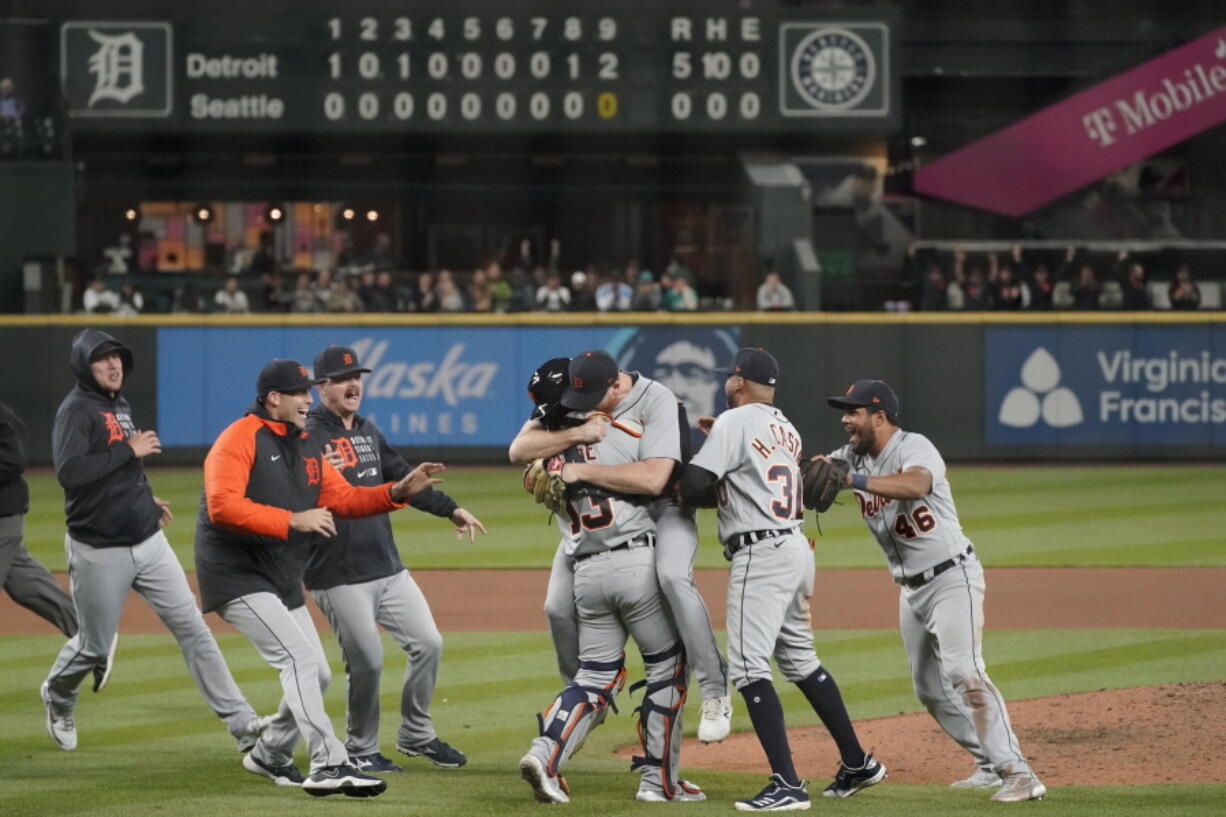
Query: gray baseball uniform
[(616, 594), (753, 450), (940, 603), (675, 550), (114, 543)]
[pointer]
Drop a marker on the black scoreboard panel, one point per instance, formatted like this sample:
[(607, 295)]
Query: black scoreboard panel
[(470, 66)]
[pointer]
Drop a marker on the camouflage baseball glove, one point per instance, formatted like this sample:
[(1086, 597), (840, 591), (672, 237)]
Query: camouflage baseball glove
[(543, 479), (822, 480)]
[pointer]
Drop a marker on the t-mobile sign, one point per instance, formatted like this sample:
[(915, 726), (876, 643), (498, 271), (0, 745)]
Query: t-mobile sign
[(1113, 124)]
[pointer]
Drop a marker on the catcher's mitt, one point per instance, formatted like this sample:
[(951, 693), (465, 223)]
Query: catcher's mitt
[(543, 479), (822, 480)]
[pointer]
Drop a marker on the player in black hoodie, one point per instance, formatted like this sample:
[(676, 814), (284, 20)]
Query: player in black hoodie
[(115, 542)]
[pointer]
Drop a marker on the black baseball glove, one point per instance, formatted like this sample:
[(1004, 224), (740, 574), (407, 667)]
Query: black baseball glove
[(822, 480)]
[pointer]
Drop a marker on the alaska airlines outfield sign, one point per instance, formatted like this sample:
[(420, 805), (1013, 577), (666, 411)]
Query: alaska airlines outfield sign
[(1089, 135)]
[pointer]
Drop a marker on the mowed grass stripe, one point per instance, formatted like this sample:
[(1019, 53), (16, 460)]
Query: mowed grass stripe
[(992, 501)]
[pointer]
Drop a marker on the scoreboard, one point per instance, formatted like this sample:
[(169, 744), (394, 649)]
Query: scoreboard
[(472, 66)]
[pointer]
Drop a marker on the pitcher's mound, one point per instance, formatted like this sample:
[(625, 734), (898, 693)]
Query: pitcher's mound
[(1175, 733)]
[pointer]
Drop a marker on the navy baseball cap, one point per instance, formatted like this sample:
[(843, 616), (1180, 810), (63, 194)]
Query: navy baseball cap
[(757, 365), (870, 394), (285, 376), (590, 375), (337, 361)]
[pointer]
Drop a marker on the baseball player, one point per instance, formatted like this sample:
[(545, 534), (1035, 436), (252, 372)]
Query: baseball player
[(115, 542), (901, 486), (549, 432), (748, 467), (268, 492), (359, 582), (28, 583), (615, 588)]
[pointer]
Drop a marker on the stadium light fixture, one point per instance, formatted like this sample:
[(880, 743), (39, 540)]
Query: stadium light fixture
[(274, 213), (202, 213)]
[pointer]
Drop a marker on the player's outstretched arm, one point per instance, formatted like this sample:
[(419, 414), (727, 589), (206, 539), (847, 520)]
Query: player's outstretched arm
[(913, 483), (696, 488), (649, 476), (534, 442)]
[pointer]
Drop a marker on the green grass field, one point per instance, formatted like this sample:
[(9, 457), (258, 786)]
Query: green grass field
[(1126, 515), (149, 746)]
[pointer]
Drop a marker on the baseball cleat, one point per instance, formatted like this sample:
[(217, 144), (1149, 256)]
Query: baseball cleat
[(778, 795), (981, 779), (61, 728), (102, 673), (849, 781), (342, 779), (716, 720), (281, 775), (686, 792), (373, 762), (1019, 788), (546, 788), (437, 752)]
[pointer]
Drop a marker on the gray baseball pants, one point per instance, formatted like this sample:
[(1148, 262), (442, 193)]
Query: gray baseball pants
[(616, 594), (769, 585), (287, 640), (29, 583), (676, 547), (100, 578), (356, 611), (942, 630)]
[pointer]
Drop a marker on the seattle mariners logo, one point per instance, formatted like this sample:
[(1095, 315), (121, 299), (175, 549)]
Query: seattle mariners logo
[(1022, 407), (833, 68)]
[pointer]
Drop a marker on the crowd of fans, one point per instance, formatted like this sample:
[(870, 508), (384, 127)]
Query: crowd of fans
[(956, 280), (934, 280)]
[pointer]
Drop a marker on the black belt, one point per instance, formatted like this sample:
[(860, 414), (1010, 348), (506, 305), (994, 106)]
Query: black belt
[(646, 540), (744, 540), (936, 570)]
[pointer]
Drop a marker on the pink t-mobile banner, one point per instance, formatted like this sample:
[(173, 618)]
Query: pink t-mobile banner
[(1098, 131)]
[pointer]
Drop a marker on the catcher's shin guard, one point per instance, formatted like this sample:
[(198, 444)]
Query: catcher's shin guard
[(579, 709), (659, 724)]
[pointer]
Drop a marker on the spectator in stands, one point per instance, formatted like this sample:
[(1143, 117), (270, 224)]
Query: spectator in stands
[(11, 105), (1007, 290), (273, 293), (1183, 291), (231, 299), (647, 296), (933, 295), (395, 297), (582, 294), (264, 261), (1136, 292), (374, 298), (479, 292), (450, 299), (501, 293), (382, 258), (553, 297), (131, 302), (322, 285), (427, 296), (98, 300), (976, 293), (1039, 288), (684, 298), (303, 300), (1086, 289), (187, 299), (342, 298), (614, 295), (774, 295)]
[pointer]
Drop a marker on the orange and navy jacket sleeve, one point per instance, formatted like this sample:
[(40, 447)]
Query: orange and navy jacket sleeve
[(227, 470), (354, 501)]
